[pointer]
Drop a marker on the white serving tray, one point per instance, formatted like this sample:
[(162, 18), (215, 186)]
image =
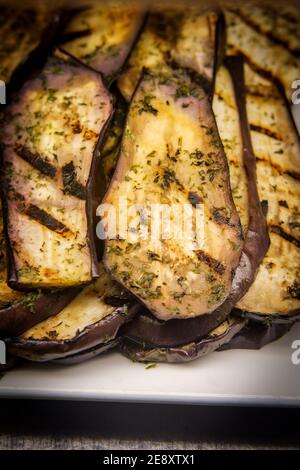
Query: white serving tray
[(238, 377)]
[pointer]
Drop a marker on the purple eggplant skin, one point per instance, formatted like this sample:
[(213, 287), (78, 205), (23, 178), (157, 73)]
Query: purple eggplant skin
[(88, 354), (189, 352), (145, 328), (11, 363), (100, 333), (268, 319), (35, 60), (90, 192), (21, 315), (256, 335)]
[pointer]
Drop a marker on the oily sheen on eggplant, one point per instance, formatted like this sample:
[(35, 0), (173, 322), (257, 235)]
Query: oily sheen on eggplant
[(189, 352), (102, 36), (269, 40), (230, 110), (171, 154), (51, 136), (277, 149), (91, 320), (192, 39)]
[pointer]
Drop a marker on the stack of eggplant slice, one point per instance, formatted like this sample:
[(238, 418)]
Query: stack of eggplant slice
[(168, 107), (52, 134)]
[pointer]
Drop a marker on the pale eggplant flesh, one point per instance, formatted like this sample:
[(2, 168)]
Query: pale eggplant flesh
[(269, 41), (91, 320), (275, 294), (189, 352), (174, 277), (230, 110), (191, 39), (51, 137), (103, 36)]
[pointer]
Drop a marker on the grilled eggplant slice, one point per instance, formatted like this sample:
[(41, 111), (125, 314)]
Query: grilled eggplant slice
[(192, 39), (277, 149), (248, 34), (51, 138), (230, 110), (102, 37), (280, 25), (171, 154), (93, 318), (20, 311), (256, 335), (219, 336)]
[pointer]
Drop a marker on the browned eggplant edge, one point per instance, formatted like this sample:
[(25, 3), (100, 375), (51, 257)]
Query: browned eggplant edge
[(256, 335), (92, 196), (23, 314), (189, 352), (173, 333), (87, 354), (99, 333)]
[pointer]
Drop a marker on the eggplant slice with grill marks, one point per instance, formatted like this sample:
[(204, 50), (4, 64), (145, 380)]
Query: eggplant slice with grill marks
[(51, 137), (102, 36), (20, 311), (274, 296), (189, 352), (91, 321), (269, 45), (192, 39), (171, 154), (230, 110)]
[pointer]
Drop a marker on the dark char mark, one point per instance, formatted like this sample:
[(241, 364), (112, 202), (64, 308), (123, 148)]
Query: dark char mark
[(68, 37), (211, 262), (71, 185), (46, 219), (263, 130), (282, 233), (35, 160), (268, 34), (292, 174)]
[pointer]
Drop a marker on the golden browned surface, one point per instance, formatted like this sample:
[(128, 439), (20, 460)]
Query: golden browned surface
[(171, 154)]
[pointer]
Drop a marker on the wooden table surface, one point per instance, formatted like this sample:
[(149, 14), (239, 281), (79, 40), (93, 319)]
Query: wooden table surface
[(93, 425)]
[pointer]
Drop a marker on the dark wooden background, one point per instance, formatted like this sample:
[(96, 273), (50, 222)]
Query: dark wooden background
[(94, 425)]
